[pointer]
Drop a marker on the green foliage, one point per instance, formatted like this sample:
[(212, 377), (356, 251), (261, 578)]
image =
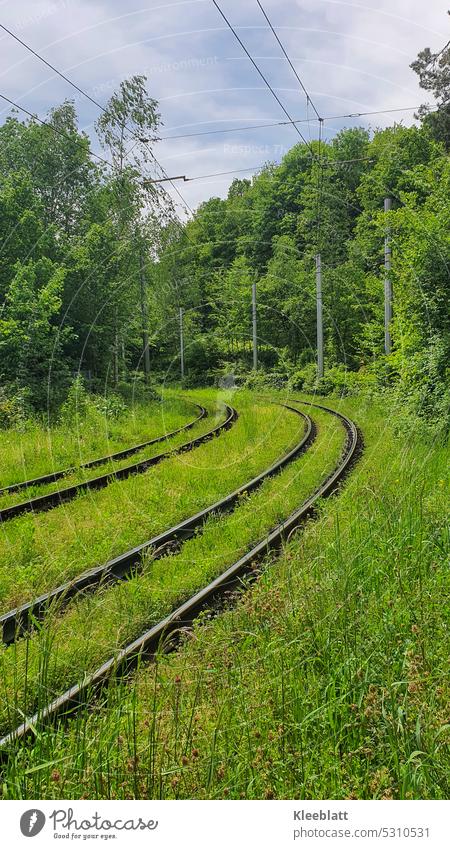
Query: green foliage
[(131, 109), (81, 405), (75, 407), (77, 244), (95, 266), (433, 70), (264, 381), (110, 406), (31, 341), (201, 362), (14, 408)]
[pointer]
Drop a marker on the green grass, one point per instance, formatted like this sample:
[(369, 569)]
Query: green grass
[(96, 626), (39, 552), (327, 679), (36, 451), (81, 475)]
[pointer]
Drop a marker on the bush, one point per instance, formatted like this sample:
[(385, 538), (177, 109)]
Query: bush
[(266, 380), (136, 389), (76, 404), (336, 381), (304, 378), (424, 388), (202, 362), (14, 408), (111, 406)]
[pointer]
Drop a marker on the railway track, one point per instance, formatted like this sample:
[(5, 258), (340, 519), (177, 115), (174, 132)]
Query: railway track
[(52, 477), (54, 499), (22, 619), (163, 632)]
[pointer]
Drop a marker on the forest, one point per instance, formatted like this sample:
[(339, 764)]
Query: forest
[(222, 571), (96, 265)]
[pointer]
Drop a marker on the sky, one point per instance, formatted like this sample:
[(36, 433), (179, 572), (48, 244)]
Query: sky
[(351, 57)]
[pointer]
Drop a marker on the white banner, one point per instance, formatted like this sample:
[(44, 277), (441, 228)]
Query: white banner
[(217, 824)]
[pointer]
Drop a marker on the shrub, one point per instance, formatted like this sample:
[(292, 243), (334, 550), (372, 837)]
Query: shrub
[(263, 380), (14, 408), (111, 406), (76, 404)]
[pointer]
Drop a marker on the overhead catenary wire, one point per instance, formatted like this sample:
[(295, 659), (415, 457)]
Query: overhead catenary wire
[(52, 67), (262, 75), (135, 135), (308, 96), (51, 126), (223, 173), (320, 161), (284, 123), (91, 99)]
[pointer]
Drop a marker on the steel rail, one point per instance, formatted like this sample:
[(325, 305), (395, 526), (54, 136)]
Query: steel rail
[(100, 461), (156, 637), (61, 496), (22, 619)]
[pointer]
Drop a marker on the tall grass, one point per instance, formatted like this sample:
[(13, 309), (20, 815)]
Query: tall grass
[(327, 678), (36, 450), (95, 627), (37, 552)]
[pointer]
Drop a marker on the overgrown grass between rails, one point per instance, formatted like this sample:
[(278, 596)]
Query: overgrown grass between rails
[(80, 475), (96, 626), (38, 450), (328, 680), (39, 552)]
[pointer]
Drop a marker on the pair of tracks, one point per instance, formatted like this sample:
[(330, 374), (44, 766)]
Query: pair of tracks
[(17, 622), (61, 496)]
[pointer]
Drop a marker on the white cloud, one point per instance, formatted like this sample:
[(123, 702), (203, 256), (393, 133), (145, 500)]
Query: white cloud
[(351, 56)]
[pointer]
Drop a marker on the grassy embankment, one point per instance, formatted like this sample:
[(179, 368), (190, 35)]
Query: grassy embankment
[(95, 627), (327, 680), (37, 451), (39, 551)]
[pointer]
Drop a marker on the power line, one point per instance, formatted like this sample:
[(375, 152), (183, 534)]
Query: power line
[(336, 162), (320, 161), (222, 173), (375, 112), (234, 129), (52, 127), (435, 56), (308, 98), (263, 77), (88, 96), (52, 67), (284, 123)]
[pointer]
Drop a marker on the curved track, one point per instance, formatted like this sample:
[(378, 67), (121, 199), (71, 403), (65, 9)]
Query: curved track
[(61, 496), (148, 643), (20, 620), (91, 464)]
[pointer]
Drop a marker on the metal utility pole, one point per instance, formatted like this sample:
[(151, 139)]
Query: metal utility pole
[(255, 330), (144, 313), (387, 284), (181, 344), (319, 316)]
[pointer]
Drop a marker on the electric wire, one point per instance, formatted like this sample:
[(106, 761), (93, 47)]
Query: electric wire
[(91, 99), (52, 127), (263, 77), (284, 123), (308, 96)]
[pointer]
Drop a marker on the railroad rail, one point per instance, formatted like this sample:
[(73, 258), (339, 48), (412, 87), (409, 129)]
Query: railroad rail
[(61, 496), (52, 477), (22, 619), (148, 643)]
